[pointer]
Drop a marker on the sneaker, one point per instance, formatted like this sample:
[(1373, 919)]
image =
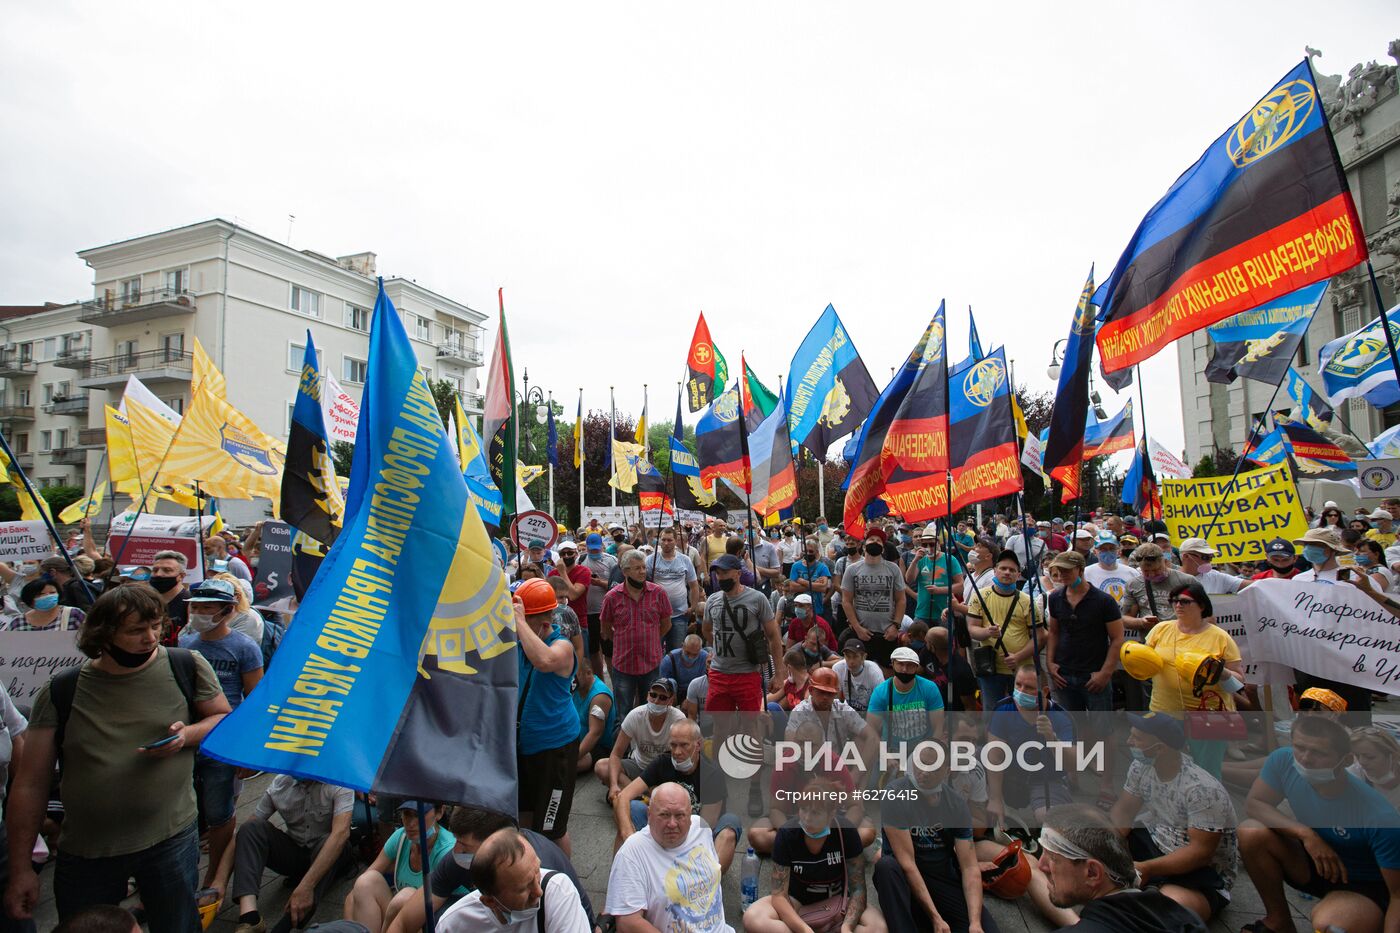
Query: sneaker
[(755, 800), (259, 927)]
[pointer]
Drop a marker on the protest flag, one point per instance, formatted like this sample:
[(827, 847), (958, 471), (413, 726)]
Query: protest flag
[(1140, 486), (721, 442), (578, 434), (525, 473), (1386, 443), (87, 507), (1264, 211), (774, 478), (1064, 446), (687, 489), (311, 500), (1308, 406), (498, 425), (627, 459), (472, 460), (706, 369), (1314, 456), (1267, 450), (829, 391), (651, 489), (400, 674), (1260, 343), (1358, 364), (759, 400), (1111, 436), (551, 444), (866, 480)]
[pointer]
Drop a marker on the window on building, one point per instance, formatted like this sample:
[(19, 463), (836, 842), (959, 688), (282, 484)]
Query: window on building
[(45, 441), (50, 348), (306, 301), (60, 439), (177, 403), (291, 407), (64, 389), (22, 443), (26, 352), (173, 345), (423, 329), (22, 398), (176, 279), (357, 318), (131, 290), (355, 370), (48, 392), (129, 349), (70, 343), (1372, 195), (296, 355)]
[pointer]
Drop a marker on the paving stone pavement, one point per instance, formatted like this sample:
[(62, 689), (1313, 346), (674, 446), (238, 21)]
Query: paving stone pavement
[(592, 830)]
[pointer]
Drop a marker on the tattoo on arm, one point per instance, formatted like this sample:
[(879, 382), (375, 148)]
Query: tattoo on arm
[(855, 888), (780, 878)]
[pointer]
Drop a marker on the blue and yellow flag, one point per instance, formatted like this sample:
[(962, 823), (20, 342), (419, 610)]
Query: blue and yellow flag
[(829, 391), (311, 500), (399, 675), (480, 487)]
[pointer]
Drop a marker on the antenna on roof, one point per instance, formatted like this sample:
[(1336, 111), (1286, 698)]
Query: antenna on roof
[(291, 219)]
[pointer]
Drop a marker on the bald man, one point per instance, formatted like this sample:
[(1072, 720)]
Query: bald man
[(512, 890), (675, 843)]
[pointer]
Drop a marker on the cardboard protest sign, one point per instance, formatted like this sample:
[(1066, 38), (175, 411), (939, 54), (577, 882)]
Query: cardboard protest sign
[(274, 579), (20, 541), (1258, 506), (29, 659), (156, 533)]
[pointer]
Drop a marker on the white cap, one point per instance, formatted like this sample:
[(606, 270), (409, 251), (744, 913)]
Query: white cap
[(1329, 504), (802, 599), (1379, 514), (904, 654)]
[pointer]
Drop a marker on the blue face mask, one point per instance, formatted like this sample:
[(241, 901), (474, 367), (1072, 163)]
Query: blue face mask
[(1108, 559), (826, 831), (1316, 554), (1005, 589), (46, 602), (1362, 560), (1023, 699)]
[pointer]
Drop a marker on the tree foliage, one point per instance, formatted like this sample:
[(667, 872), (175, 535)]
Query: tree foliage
[(58, 498)]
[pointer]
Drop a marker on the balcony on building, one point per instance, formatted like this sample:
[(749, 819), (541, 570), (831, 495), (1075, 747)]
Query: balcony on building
[(473, 401), (24, 461), (92, 438), (68, 456), (11, 365), (452, 349), (134, 307), (73, 357), (70, 405), (166, 365), (16, 412)]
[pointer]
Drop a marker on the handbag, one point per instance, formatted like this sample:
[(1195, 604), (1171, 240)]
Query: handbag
[(1217, 724), (984, 657), (827, 914), (755, 643)]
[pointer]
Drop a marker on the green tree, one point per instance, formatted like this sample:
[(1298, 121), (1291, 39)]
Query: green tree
[(343, 454), (58, 498)]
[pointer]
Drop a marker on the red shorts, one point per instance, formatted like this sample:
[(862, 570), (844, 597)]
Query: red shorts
[(731, 693)]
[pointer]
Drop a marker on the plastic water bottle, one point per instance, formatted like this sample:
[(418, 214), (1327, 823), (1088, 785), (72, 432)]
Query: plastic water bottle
[(748, 880)]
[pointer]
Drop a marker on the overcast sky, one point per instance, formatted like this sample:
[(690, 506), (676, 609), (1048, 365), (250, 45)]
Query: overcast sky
[(620, 167)]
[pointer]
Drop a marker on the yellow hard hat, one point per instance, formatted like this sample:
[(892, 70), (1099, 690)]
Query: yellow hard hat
[(1140, 661), (1316, 698), (1199, 669)]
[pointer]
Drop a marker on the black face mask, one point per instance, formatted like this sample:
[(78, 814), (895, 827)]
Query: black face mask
[(727, 583), (127, 658), (810, 557), (164, 584), (852, 549), (618, 538), (568, 559), (874, 550), (635, 584), (905, 678)]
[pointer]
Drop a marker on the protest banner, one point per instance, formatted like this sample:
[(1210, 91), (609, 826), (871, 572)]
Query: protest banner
[(1378, 479), (339, 410), (274, 579), (156, 533), (29, 659), (1333, 631), (1165, 464), (21, 541), (1229, 615), (1245, 514), (531, 526)]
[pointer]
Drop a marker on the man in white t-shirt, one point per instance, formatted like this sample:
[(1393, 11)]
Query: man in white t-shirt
[(674, 572), (1110, 574), (667, 875), (1196, 556), (857, 676), (513, 893)]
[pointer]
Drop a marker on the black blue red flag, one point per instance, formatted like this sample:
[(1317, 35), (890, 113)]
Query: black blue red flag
[(1064, 446)]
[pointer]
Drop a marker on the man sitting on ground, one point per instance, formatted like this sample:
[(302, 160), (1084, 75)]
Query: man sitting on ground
[(515, 893)]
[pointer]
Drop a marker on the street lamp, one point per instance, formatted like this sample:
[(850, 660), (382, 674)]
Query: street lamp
[(533, 397), (1056, 355)]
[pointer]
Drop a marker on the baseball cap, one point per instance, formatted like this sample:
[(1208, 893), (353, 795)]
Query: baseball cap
[(594, 542), (802, 599), (535, 543), (213, 591), (904, 654), (1071, 560), (1160, 726), (1104, 538), (1084, 533), (876, 533), (665, 683), (727, 562), (853, 644), (1197, 546), (1379, 514), (1280, 546), (566, 545)]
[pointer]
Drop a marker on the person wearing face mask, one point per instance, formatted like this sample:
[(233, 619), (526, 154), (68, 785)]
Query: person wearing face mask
[(396, 874), (806, 618), (928, 873), (1196, 557), (42, 612), (811, 576), (1282, 558), (767, 564), (641, 737), (1369, 559), (739, 623), (635, 617), (167, 578), (1321, 548), (1186, 844), (1340, 844), (451, 880), (1147, 600), (1031, 546), (857, 677), (934, 577), (577, 575), (238, 662), (668, 877), (515, 893), (847, 550), (1377, 755), (150, 834), (999, 617), (1028, 717), (685, 766), (872, 592), (907, 708), (819, 872)]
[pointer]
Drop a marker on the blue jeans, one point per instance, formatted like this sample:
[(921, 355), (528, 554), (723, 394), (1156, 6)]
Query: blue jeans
[(675, 638), (995, 688), (1076, 695), (638, 811), (167, 875), (780, 718), (213, 790), (630, 690)]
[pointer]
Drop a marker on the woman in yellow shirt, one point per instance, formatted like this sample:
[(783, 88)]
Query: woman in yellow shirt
[(1190, 632)]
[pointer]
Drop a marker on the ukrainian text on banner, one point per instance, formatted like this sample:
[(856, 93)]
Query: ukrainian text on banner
[(29, 659), (1333, 631), (1230, 616), (1261, 505), (24, 541), (156, 533)]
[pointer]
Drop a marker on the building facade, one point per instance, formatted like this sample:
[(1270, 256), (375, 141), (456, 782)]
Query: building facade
[(249, 300), (1363, 109)]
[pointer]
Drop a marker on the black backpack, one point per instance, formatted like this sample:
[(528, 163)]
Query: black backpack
[(63, 687)]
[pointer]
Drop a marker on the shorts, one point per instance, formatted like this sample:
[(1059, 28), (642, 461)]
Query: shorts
[(731, 693), (547, 788), (632, 768), (1319, 887), (1204, 881), (213, 790)]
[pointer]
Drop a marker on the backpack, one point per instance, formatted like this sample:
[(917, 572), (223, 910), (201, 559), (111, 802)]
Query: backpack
[(63, 687), (271, 638)]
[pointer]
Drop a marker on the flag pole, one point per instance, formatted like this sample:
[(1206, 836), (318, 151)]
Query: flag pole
[(47, 518), (199, 527), (646, 441), (429, 921), (1147, 441), (582, 460), (1253, 433), (612, 435), (550, 460), (1385, 321)]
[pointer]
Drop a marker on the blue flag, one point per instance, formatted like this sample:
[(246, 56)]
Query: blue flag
[(1308, 406), (552, 446), (829, 392), (1358, 365), (311, 499), (1270, 449), (399, 675), (481, 488)]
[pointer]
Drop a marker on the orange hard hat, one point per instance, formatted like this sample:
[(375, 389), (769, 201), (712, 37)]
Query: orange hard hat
[(825, 680), (1317, 698), (1011, 875), (538, 596)]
